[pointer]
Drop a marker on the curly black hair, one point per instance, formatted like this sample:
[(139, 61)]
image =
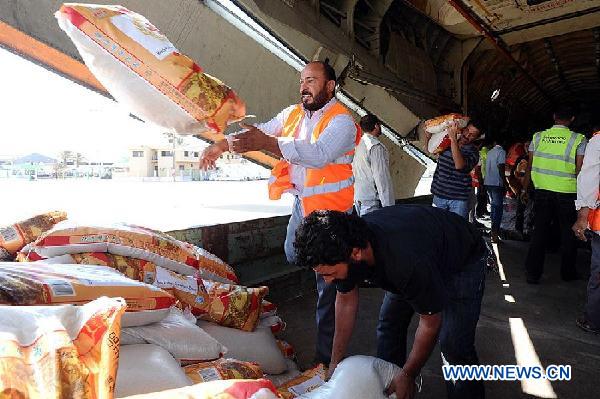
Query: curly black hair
[(328, 237)]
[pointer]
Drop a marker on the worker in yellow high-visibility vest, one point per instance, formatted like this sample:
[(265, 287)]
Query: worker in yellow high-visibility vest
[(555, 159)]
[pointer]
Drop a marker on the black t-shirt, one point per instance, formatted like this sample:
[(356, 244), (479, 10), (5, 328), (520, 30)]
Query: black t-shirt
[(417, 248)]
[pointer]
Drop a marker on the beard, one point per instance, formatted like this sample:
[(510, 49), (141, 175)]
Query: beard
[(319, 100), (358, 271)]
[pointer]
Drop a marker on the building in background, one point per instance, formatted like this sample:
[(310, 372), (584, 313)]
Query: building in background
[(161, 161), (146, 161)]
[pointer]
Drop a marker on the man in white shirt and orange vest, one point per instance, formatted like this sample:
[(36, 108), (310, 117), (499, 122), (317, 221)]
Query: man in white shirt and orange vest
[(315, 141), (588, 217)]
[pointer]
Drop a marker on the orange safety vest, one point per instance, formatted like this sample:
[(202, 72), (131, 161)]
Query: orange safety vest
[(594, 214), (327, 188)]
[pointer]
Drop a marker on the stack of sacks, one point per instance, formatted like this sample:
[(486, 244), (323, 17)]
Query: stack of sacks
[(199, 281), (14, 237), (438, 128), (60, 351)]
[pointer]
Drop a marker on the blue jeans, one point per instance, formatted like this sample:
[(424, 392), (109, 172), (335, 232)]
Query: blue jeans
[(496, 196), (457, 335), (460, 207), (325, 314)]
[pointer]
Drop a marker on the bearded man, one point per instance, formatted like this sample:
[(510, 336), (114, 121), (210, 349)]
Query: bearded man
[(315, 141)]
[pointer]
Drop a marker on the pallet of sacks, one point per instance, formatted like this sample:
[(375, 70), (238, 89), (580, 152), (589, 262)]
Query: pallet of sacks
[(233, 313)]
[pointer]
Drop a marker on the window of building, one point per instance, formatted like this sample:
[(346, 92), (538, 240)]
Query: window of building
[(138, 154), (166, 153), (196, 154), (186, 153)]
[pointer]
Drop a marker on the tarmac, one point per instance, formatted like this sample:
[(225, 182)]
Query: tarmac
[(520, 324)]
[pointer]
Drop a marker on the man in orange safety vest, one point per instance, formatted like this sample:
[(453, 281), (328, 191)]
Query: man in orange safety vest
[(315, 140)]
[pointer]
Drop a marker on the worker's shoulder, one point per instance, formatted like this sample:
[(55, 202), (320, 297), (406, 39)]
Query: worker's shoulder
[(372, 142), (594, 141)]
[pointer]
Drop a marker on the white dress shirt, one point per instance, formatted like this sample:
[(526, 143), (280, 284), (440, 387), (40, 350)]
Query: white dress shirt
[(589, 176), (372, 172), (336, 139)]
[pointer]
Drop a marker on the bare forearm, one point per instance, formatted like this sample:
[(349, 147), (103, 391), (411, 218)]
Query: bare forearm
[(582, 213), (346, 306), (459, 160), (425, 340)]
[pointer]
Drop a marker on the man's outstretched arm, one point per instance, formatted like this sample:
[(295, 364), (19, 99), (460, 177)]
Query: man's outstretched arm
[(346, 307), (403, 383)]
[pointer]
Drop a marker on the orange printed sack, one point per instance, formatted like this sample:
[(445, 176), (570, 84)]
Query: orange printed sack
[(13, 238), (134, 242), (51, 284), (40, 360), (304, 383), (228, 305), (143, 71), (223, 369), (136, 269)]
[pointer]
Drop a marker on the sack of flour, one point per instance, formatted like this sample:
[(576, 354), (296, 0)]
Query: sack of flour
[(38, 283), (14, 237), (52, 352), (356, 377), (144, 71), (438, 128), (134, 242)]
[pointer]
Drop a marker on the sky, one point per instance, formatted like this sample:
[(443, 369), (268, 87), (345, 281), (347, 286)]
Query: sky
[(41, 111)]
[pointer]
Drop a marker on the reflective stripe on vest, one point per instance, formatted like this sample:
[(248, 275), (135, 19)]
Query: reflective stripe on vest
[(327, 188), (554, 166), (594, 214)]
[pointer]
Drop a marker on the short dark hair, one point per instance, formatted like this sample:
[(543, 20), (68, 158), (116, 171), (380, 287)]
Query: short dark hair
[(564, 112), (328, 237), (368, 122), (327, 69), (475, 122)]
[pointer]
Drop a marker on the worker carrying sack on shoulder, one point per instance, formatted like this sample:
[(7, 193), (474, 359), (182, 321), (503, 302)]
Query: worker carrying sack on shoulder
[(143, 70)]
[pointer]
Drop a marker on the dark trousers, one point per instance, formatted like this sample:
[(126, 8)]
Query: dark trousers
[(457, 335), (496, 196), (549, 205), (481, 208)]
